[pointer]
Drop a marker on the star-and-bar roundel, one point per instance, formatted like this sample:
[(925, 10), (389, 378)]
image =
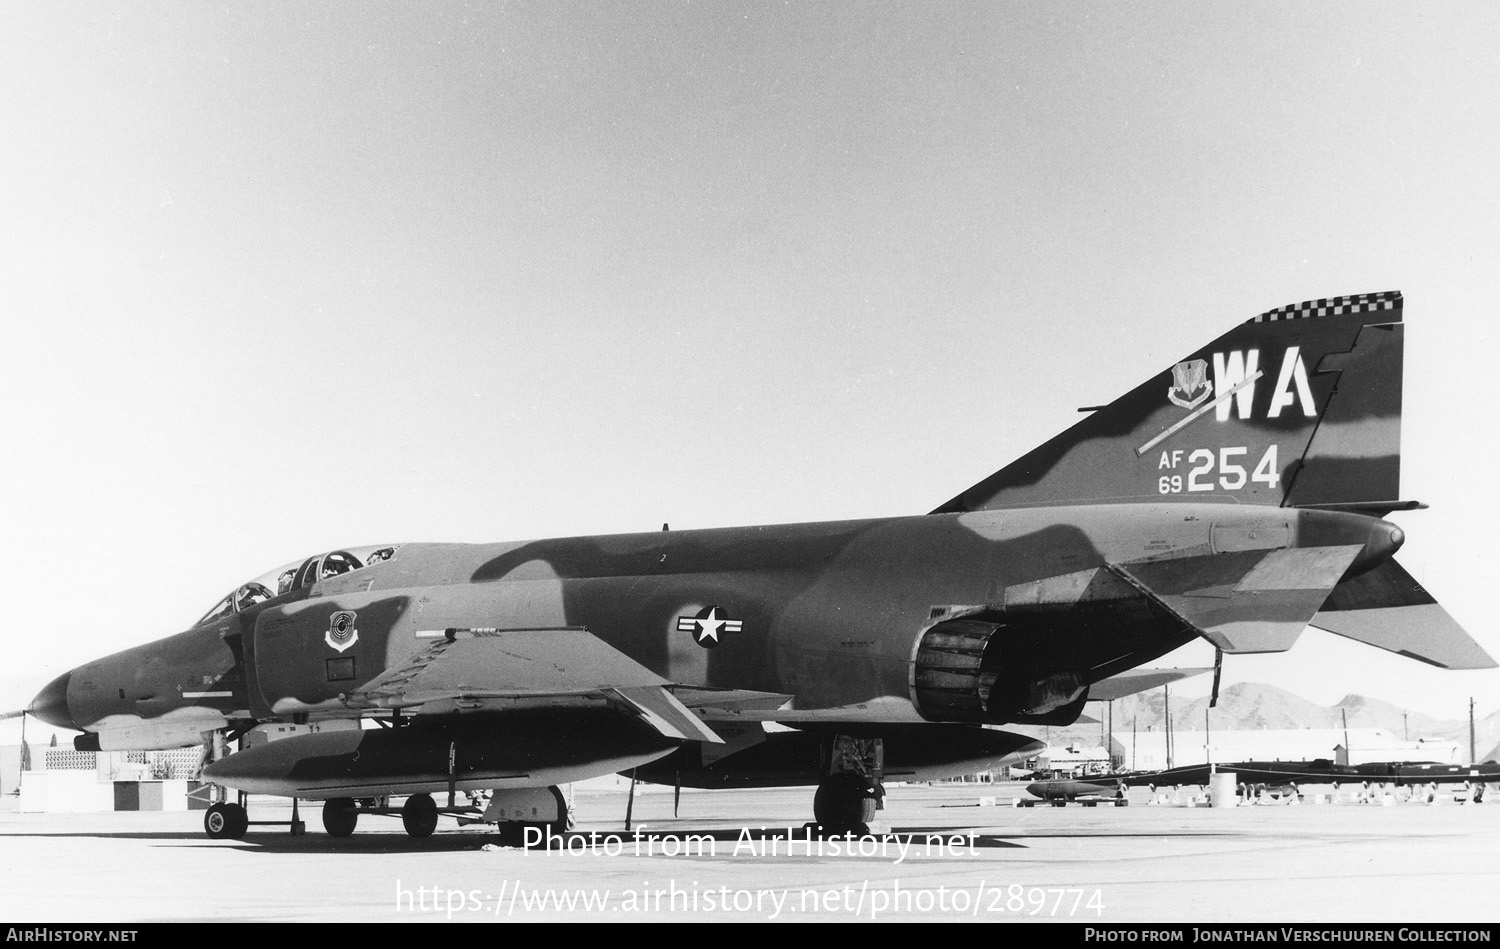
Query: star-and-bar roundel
[(708, 626)]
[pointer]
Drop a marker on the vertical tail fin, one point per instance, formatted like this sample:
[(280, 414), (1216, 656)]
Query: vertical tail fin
[(1300, 406)]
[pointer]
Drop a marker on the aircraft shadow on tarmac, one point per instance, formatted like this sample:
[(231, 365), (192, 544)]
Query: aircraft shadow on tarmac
[(273, 842), (397, 842), (1017, 840), (451, 843)]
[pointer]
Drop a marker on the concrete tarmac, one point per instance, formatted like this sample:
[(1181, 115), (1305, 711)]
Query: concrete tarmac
[(950, 859)]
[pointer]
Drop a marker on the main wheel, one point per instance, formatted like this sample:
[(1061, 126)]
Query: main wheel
[(845, 801), (564, 816), (419, 815), (339, 816), (513, 833), (225, 822)]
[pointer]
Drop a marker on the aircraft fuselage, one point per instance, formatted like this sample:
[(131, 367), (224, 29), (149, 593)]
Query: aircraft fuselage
[(829, 613)]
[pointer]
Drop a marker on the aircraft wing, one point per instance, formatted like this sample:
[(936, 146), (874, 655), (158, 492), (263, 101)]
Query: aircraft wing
[(1132, 681), (1388, 608), (498, 670)]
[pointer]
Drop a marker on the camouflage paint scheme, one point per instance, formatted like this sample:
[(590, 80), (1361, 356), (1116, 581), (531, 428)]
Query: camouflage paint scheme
[(1209, 501)]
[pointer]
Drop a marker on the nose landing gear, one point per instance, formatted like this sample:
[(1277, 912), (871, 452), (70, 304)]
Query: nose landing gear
[(225, 821)]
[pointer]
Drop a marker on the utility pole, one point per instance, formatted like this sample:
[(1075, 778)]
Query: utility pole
[(1208, 753), (1472, 757), (1167, 693), (1109, 744)]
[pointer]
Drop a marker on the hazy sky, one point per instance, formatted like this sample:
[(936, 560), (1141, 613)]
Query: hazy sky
[(284, 277)]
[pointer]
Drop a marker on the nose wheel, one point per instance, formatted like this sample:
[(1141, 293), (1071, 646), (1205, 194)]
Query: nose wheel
[(225, 821)]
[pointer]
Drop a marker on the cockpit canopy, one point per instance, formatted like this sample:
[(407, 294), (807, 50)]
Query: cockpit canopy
[(295, 576)]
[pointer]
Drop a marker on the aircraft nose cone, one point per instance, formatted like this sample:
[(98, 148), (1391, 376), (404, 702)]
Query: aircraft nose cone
[(51, 704)]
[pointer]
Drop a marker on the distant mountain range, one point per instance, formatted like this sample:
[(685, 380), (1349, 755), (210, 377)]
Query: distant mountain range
[(1255, 706)]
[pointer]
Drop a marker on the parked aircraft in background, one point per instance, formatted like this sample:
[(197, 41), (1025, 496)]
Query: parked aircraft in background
[(1237, 495)]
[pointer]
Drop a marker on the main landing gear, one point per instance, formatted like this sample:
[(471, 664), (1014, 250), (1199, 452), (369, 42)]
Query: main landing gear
[(850, 792), (228, 820), (845, 802), (541, 811)]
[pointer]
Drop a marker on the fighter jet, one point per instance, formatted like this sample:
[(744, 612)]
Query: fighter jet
[(1237, 495)]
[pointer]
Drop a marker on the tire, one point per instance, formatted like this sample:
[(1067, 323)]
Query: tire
[(241, 819), (215, 824), (340, 815), (225, 822), (564, 820), (419, 815), (511, 833), (844, 801)]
